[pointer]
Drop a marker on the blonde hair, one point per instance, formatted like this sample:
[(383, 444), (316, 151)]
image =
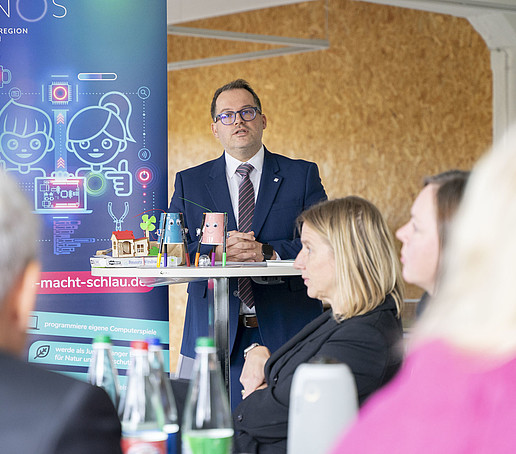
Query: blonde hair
[(367, 268), (475, 307)]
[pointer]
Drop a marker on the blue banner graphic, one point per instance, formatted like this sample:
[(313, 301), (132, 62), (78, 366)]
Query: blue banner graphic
[(83, 127)]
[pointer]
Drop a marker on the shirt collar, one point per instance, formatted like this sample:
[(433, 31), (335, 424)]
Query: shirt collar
[(256, 161)]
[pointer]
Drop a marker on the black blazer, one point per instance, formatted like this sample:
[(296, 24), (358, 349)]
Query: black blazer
[(369, 344), (45, 412)]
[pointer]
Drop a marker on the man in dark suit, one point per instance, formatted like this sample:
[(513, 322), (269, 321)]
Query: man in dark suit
[(41, 411), (282, 189)]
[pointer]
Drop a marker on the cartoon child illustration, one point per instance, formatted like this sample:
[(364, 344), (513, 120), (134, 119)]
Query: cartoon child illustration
[(25, 137), (97, 134)]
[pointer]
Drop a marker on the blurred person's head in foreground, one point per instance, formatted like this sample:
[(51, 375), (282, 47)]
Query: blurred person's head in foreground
[(455, 390), (475, 307), (19, 265)]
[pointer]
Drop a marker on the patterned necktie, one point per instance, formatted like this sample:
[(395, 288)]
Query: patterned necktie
[(245, 219)]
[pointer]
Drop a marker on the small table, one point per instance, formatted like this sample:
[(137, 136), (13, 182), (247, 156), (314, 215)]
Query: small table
[(219, 277)]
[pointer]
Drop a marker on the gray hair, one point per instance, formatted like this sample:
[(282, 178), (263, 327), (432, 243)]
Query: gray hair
[(19, 229)]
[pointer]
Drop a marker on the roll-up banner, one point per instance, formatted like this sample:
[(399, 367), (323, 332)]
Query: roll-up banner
[(83, 128)]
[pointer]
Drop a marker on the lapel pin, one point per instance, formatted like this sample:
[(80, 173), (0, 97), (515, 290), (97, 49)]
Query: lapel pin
[(276, 180)]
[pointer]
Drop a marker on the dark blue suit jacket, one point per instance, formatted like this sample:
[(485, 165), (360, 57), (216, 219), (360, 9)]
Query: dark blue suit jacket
[(287, 187)]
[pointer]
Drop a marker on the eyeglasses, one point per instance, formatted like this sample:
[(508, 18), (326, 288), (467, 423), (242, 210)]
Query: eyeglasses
[(228, 118)]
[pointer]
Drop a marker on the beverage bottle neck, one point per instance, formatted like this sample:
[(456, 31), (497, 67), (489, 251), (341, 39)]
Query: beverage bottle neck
[(207, 404), (102, 371), (207, 424), (162, 382), (142, 406), (156, 359)]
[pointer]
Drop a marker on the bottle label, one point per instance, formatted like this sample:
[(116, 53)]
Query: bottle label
[(214, 441), (172, 431), (145, 443)]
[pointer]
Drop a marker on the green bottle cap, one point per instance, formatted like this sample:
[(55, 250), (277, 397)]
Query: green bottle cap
[(102, 339), (205, 342)]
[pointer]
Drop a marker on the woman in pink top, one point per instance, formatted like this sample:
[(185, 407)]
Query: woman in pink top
[(456, 392)]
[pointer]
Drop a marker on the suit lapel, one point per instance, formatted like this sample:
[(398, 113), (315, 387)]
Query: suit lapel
[(217, 188), (269, 186)]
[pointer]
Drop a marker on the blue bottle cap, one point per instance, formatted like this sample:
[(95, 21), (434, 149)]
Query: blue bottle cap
[(153, 341)]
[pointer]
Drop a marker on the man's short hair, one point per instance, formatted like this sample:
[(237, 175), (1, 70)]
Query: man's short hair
[(235, 85)]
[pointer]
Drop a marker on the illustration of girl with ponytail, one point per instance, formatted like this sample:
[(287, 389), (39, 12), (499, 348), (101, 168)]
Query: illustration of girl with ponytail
[(96, 135)]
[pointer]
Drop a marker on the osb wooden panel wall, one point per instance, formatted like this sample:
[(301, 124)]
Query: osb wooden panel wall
[(399, 94)]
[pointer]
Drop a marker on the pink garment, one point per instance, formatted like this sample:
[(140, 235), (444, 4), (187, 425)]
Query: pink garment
[(442, 401)]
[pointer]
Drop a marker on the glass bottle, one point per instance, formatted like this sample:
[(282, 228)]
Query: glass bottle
[(162, 383), (102, 371), (207, 424), (141, 411)]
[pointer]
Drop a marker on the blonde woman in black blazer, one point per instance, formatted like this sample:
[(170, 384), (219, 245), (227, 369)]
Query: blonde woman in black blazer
[(349, 262)]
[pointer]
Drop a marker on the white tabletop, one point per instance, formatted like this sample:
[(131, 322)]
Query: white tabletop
[(153, 276)]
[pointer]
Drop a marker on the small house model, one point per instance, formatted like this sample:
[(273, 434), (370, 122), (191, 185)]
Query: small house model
[(124, 244)]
